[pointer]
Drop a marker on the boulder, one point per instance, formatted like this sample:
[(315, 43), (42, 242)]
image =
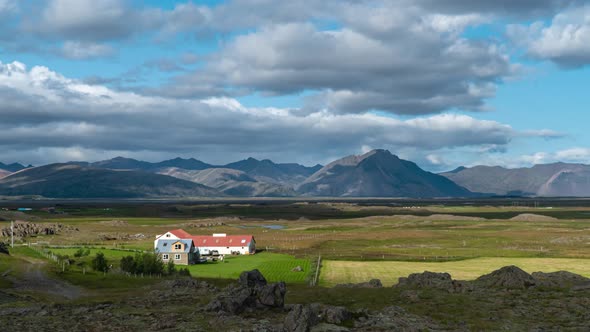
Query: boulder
[(251, 279), (252, 292), (508, 277), (335, 314), (435, 280), (301, 318), (272, 295)]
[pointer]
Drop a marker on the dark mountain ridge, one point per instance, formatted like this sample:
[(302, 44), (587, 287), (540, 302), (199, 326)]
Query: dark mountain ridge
[(378, 173), (76, 181)]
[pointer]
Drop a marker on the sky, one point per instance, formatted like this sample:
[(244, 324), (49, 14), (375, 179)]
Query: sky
[(444, 83)]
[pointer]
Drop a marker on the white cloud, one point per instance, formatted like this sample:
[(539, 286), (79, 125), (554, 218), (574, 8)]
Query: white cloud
[(566, 41), (406, 67), (45, 111)]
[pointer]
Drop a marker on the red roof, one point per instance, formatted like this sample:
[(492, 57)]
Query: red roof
[(180, 233), (214, 241), (222, 241)]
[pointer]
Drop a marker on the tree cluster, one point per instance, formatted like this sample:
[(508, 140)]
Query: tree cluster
[(149, 263)]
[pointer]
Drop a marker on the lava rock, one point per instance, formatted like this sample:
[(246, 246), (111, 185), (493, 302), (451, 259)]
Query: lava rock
[(508, 277)]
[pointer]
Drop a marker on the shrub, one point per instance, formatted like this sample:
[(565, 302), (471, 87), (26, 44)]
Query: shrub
[(170, 268), (128, 264), (79, 253), (4, 248), (100, 263), (184, 272)]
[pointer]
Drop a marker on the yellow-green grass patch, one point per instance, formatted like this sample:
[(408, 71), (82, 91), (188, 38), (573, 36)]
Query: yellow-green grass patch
[(337, 272)]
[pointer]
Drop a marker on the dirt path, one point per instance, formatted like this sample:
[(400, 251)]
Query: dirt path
[(34, 279)]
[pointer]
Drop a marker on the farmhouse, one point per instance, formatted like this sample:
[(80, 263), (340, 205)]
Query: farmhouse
[(226, 244), (180, 251), (221, 243)]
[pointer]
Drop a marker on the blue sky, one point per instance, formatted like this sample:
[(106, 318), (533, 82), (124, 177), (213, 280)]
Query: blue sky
[(443, 83)]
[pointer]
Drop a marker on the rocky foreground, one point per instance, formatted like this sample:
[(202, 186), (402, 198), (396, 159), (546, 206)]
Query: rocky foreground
[(507, 299)]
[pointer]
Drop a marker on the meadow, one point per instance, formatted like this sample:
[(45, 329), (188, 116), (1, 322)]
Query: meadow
[(356, 240), (340, 272)]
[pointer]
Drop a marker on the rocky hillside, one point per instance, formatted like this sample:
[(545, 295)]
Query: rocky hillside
[(378, 173), (231, 182), (75, 181), (557, 179), (270, 172), (508, 299)]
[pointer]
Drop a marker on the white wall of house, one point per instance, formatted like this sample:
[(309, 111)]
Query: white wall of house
[(165, 236), (245, 250)]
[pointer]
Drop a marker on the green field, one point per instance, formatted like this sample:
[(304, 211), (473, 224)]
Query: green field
[(275, 267), (336, 272)]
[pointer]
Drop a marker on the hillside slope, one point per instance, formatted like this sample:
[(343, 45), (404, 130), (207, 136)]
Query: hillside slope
[(75, 181), (231, 182), (378, 173), (557, 179)]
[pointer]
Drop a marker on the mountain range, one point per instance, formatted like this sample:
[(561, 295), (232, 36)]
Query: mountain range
[(377, 173), (555, 180)]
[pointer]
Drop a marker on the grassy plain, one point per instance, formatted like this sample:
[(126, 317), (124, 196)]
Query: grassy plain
[(338, 272), (343, 233)]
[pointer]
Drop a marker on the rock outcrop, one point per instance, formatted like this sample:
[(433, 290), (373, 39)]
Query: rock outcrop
[(252, 292), (26, 229), (508, 277), (429, 279), (559, 279)]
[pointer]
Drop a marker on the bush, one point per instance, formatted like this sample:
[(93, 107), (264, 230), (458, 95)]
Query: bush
[(170, 268), (146, 263), (79, 253), (100, 263), (184, 272), (4, 248), (128, 264)]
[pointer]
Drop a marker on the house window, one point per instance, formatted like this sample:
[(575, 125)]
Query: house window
[(167, 235), (165, 256), (178, 246), (177, 256)]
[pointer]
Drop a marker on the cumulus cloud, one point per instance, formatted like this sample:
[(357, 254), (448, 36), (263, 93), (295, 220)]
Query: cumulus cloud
[(45, 114), (405, 67), (565, 41)]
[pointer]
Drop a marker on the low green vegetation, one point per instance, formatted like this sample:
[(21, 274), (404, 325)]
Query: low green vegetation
[(275, 267), (338, 272)]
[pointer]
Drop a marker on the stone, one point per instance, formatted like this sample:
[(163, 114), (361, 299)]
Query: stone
[(301, 318), (508, 277), (251, 279)]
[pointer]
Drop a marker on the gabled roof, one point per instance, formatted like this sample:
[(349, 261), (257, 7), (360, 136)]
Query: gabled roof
[(166, 245), (180, 233), (222, 241)]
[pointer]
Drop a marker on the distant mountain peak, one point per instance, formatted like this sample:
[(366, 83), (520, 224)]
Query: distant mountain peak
[(378, 173), (458, 169)]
